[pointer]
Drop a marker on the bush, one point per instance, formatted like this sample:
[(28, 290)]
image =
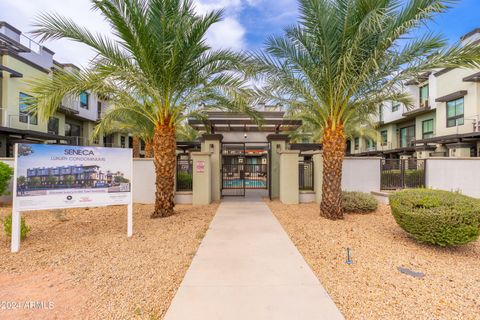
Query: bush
[(437, 217), (6, 173), (7, 227), (184, 180), (358, 202)]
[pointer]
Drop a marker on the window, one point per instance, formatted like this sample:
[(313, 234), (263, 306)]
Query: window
[(371, 144), (356, 143), (407, 135), (24, 115), (424, 95), (455, 113), (53, 125), (99, 110), (384, 137), (427, 129), (122, 142), (72, 130), (84, 100), (395, 107)]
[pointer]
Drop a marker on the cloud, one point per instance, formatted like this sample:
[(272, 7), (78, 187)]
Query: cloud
[(227, 34)]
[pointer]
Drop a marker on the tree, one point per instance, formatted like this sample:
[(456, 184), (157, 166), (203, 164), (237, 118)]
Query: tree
[(35, 182), (158, 61), (69, 180), (345, 51), (187, 133), (51, 181)]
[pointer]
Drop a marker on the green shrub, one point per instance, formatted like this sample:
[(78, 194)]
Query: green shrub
[(437, 217), (6, 173), (359, 202), (7, 227), (184, 180)]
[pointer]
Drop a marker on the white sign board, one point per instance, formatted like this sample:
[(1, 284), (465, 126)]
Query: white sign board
[(56, 176), (200, 166)]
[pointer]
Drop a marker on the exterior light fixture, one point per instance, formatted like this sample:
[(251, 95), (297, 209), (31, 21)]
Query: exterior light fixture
[(245, 135)]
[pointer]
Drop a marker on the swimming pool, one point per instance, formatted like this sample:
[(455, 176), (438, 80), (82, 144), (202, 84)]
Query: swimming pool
[(238, 183)]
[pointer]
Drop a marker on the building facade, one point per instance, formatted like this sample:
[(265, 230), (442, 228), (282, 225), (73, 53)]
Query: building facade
[(444, 120), (21, 60)]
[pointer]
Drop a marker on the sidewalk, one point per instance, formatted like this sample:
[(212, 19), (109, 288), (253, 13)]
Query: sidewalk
[(247, 268)]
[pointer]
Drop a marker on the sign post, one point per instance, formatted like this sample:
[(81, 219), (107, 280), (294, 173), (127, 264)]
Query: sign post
[(56, 176)]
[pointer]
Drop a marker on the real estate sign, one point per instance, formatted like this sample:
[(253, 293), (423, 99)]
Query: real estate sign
[(59, 176), (55, 176)]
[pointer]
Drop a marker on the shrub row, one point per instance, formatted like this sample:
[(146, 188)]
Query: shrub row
[(358, 202)]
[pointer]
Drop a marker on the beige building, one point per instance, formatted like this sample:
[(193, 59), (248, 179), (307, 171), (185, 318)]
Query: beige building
[(21, 60), (444, 120)]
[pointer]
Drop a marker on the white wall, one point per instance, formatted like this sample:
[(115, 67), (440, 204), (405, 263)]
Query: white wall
[(361, 174), (461, 174)]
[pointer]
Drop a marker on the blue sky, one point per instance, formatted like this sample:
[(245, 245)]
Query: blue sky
[(246, 25)]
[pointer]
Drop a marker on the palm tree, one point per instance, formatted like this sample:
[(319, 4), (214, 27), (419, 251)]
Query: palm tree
[(121, 117), (158, 58), (361, 124), (345, 51), (187, 133)]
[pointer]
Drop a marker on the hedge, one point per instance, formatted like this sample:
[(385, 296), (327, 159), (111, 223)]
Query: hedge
[(358, 202), (437, 217)]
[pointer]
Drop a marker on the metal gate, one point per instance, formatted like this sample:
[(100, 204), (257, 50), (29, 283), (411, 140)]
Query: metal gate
[(402, 173), (242, 169)]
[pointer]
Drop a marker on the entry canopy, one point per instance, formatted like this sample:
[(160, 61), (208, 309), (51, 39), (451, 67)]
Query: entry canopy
[(273, 121)]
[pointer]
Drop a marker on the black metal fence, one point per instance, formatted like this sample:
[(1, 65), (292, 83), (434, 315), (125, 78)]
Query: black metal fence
[(305, 175), (184, 175), (402, 173)]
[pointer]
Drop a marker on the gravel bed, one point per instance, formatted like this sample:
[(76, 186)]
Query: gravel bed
[(88, 252), (373, 287)]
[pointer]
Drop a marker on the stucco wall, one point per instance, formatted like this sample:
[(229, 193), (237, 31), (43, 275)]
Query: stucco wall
[(449, 174), (361, 174)]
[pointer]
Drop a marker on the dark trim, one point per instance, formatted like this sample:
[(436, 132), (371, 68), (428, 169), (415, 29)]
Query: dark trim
[(417, 111), (459, 145), (48, 50), (9, 26), (277, 137), (305, 146), (425, 148), (24, 60), (472, 78), (470, 33), (443, 71), (449, 138), (212, 136), (452, 96), (32, 134), (13, 73)]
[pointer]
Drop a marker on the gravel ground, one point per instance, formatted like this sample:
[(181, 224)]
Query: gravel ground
[(372, 287), (83, 258)]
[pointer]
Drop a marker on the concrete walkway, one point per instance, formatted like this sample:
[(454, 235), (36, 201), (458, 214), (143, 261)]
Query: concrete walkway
[(247, 268)]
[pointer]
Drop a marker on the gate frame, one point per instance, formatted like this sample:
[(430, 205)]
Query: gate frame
[(242, 177)]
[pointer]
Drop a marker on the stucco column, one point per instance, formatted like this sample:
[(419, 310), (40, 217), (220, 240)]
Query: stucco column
[(278, 143), (201, 185), (212, 143), (318, 175), (289, 176), (4, 93)]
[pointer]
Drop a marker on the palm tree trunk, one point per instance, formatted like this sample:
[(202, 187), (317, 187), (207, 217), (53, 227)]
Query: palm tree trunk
[(136, 147), (333, 144), (164, 148), (148, 148)]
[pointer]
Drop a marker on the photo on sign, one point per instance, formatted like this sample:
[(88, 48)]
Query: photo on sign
[(52, 170)]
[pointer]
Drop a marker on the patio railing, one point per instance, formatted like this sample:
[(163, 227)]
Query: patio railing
[(305, 175), (184, 175)]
